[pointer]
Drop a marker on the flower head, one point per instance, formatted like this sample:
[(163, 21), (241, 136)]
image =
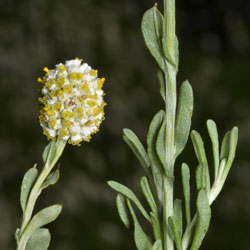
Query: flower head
[(71, 102)]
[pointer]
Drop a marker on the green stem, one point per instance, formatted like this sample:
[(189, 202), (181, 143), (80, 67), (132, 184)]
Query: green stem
[(35, 192), (170, 82), (169, 16)]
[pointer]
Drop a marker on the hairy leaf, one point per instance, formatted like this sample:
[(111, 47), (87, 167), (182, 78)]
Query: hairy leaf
[(123, 210), (185, 173), (132, 140), (27, 184), (152, 33), (148, 194), (142, 241), (184, 114), (156, 165), (39, 240), (130, 195), (213, 133), (203, 219)]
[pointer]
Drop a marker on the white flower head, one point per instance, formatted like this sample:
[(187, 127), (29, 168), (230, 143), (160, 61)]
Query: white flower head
[(71, 102)]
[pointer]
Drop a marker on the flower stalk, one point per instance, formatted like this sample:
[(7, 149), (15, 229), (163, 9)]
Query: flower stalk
[(71, 109)]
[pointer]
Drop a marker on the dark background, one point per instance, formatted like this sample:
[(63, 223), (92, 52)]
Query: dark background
[(214, 37)]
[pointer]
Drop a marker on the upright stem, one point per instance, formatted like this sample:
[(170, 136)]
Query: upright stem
[(170, 81)]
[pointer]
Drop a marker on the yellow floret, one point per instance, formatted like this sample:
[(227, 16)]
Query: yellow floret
[(57, 106), (85, 87), (67, 123), (73, 76), (62, 133), (91, 103), (39, 79), (100, 83), (67, 114), (93, 72), (60, 81), (52, 123), (50, 112), (45, 69), (61, 68), (68, 88), (79, 76)]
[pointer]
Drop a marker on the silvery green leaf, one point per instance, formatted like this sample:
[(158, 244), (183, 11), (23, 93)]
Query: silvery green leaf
[(184, 115), (203, 219), (152, 33), (133, 142), (213, 133), (225, 146), (51, 179), (27, 184), (201, 156), (160, 145), (39, 240), (175, 222), (49, 152), (161, 80), (130, 195), (43, 217), (148, 194), (199, 147), (156, 165), (232, 149), (142, 241), (156, 226), (178, 215), (123, 210), (185, 173), (157, 245)]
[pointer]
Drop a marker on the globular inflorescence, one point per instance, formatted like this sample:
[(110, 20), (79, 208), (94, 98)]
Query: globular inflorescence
[(71, 102)]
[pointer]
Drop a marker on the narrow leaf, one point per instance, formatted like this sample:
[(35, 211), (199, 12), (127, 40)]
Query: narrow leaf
[(225, 146), (123, 210), (148, 194), (142, 241), (232, 149), (133, 142), (51, 179), (185, 173), (27, 184), (152, 33), (175, 222), (160, 76), (156, 226), (199, 147), (184, 114), (157, 245), (213, 133), (176, 234), (201, 156), (39, 240), (156, 165), (130, 195), (160, 145), (178, 215), (203, 220)]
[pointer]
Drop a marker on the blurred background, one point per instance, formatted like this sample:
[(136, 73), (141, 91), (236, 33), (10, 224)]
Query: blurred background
[(214, 37)]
